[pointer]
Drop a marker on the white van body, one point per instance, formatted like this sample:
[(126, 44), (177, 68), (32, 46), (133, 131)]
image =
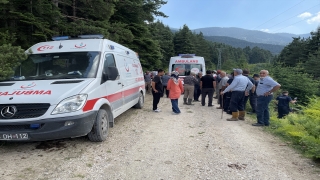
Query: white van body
[(187, 63), (70, 88)]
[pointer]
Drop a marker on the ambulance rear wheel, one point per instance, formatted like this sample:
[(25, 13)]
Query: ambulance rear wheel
[(140, 103), (100, 127)]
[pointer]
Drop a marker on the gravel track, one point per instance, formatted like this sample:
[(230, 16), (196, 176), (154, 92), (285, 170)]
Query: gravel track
[(197, 144)]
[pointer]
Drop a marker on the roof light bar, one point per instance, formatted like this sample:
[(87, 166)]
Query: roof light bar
[(92, 36), (187, 54), (59, 38)]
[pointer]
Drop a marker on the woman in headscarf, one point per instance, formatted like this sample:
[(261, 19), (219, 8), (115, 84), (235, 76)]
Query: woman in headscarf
[(175, 88)]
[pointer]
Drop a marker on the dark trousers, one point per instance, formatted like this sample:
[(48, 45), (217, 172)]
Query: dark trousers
[(253, 102), (263, 115), (204, 93), (175, 108), (227, 101), (156, 99), (166, 91), (283, 111), (197, 92), (236, 102)]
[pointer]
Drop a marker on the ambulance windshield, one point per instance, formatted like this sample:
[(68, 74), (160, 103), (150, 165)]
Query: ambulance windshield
[(186, 69), (68, 65)]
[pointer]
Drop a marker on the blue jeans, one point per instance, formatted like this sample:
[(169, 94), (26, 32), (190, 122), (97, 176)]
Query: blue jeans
[(262, 110), (175, 107)]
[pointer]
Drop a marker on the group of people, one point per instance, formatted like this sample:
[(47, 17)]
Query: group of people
[(233, 91)]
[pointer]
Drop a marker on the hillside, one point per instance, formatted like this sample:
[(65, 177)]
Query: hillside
[(250, 35), (274, 49)]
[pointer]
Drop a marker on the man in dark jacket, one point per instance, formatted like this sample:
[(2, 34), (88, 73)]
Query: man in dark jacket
[(283, 104), (207, 85), (157, 90)]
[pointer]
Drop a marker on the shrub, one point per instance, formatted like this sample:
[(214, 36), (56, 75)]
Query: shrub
[(303, 129)]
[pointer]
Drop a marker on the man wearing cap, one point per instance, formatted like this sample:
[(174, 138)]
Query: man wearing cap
[(239, 87), (265, 89), (189, 82)]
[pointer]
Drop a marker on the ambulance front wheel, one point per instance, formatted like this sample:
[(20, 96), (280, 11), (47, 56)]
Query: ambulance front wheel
[(100, 127), (140, 103)]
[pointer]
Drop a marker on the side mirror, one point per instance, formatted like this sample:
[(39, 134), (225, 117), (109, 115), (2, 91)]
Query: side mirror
[(113, 73)]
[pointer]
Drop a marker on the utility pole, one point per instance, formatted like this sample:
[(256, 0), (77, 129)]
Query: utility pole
[(219, 58)]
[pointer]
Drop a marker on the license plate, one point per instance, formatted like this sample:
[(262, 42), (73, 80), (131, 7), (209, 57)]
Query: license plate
[(14, 136)]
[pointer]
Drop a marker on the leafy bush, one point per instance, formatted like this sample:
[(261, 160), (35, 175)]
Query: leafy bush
[(302, 129)]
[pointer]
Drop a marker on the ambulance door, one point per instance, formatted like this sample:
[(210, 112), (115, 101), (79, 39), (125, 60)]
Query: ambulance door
[(113, 88)]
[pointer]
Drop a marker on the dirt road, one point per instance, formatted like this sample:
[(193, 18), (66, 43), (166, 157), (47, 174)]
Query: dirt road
[(197, 144)]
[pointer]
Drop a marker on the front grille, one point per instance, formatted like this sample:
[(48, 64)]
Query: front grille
[(17, 127), (25, 111)]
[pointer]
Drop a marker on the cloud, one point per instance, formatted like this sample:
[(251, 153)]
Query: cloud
[(314, 19), (305, 15), (264, 30)]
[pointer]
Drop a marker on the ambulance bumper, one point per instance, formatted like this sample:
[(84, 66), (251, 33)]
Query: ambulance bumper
[(48, 129)]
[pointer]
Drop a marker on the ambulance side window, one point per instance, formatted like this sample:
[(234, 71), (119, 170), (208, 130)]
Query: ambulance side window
[(109, 61)]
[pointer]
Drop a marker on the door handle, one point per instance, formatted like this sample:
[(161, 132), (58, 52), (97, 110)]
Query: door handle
[(119, 83)]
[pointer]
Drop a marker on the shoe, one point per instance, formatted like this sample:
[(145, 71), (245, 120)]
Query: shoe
[(195, 100), (242, 115), (157, 110), (234, 117), (219, 108), (257, 124), (210, 105), (174, 113)]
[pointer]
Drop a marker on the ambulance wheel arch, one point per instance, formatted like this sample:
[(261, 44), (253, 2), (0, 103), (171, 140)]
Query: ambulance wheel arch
[(100, 129), (103, 103), (140, 102)]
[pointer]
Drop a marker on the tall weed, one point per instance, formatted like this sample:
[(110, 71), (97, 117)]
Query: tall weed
[(302, 129)]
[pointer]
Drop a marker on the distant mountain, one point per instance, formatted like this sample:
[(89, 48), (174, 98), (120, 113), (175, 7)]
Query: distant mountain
[(238, 43), (250, 35)]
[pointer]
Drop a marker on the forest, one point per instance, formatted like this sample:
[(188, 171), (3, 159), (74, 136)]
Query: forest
[(129, 22)]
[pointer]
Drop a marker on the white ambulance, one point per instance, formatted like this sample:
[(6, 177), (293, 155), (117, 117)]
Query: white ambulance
[(187, 63), (70, 88)]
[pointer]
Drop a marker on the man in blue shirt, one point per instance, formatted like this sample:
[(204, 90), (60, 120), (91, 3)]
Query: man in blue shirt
[(265, 89), (240, 86), (283, 104)]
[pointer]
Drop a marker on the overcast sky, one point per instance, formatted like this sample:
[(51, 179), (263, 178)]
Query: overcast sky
[(273, 16)]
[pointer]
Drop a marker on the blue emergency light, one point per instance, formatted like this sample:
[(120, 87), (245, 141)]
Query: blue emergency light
[(59, 38), (90, 36)]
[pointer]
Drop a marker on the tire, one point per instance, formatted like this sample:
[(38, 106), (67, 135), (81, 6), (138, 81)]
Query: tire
[(100, 127), (140, 103)]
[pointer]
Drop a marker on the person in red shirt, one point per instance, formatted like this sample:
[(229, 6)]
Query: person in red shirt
[(175, 88)]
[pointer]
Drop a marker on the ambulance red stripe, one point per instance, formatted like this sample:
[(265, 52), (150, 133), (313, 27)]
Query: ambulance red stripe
[(111, 98)]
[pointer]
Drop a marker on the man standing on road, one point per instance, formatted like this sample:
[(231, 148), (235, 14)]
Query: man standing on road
[(266, 87), (207, 86), (157, 90), (240, 86), (197, 90), (246, 98), (165, 78), (222, 86), (147, 80), (189, 82), (253, 96), (228, 95)]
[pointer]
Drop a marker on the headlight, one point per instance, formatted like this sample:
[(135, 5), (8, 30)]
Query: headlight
[(70, 104)]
